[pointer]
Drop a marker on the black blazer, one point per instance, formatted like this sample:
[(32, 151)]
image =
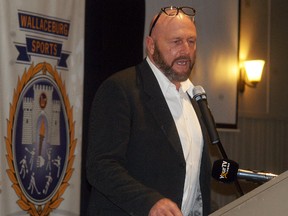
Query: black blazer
[(134, 153)]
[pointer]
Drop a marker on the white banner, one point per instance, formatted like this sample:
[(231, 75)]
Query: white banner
[(41, 101)]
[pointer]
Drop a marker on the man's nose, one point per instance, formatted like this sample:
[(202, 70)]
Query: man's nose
[(185, 48)]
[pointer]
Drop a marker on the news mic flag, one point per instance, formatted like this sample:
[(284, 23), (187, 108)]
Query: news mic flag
[(225, 170), (41, 94)]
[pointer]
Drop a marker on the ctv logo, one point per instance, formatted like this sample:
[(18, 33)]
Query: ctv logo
[(225, 169)]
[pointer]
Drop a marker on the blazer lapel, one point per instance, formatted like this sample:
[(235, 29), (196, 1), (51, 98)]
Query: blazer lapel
[(156, 103)]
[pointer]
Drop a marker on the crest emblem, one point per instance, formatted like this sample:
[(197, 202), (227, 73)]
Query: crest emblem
[(40, 140)]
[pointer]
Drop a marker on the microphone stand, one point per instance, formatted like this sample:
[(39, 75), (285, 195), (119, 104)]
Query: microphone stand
[(224, 155), (201, 99)]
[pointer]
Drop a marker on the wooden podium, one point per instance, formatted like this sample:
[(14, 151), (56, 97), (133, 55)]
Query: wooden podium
[(271, 198)]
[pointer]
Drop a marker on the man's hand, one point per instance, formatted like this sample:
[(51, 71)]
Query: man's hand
[(165, 207)]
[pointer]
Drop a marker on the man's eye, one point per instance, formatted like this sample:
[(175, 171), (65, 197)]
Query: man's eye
[(191, 41), (177, 41)]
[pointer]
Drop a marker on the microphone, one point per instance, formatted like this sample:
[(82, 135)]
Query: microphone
[(255, 176), (201, 99), (227, 171)]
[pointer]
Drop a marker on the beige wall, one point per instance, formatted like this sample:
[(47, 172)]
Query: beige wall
[(261, 143), (254, 44), (263, 34)]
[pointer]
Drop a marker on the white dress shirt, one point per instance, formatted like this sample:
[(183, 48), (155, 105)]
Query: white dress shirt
[(189, 131)]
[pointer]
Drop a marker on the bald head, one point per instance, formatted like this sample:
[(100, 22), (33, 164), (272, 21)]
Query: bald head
[(172, 46), (168, 23)]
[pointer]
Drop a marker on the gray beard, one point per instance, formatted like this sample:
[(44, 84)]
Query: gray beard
[(168, 71)]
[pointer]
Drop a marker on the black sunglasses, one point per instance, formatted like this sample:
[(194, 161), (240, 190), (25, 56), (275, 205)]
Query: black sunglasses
[(173, 11)]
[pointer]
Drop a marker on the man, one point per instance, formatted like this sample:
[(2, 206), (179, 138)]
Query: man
[(147, 151)]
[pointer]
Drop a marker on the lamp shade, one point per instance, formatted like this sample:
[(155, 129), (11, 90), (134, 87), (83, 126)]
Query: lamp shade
[(254, 70)]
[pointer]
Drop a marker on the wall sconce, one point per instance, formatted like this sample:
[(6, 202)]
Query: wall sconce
[(250, 73)]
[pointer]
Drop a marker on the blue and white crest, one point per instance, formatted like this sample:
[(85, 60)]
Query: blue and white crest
[(40, 142)]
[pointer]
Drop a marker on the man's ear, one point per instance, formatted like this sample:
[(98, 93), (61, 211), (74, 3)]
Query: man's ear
[(150, 45)]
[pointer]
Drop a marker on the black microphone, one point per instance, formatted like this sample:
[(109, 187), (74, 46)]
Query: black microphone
[(200, 97), (227, 171)]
